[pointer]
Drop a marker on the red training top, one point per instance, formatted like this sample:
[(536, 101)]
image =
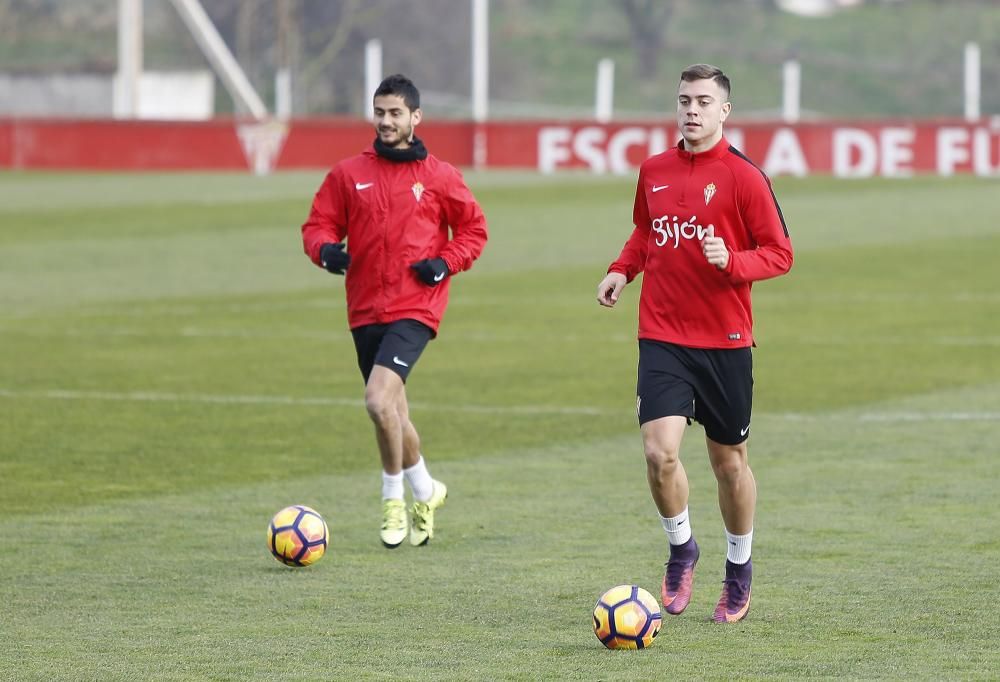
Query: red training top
[(685, 299), (394, 213)]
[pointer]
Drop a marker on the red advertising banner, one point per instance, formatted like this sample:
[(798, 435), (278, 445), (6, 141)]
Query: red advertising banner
[(842, 149), (846, 149), (119, 145)]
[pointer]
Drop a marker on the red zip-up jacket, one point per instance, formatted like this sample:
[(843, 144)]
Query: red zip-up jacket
[(394, 213), (685, 299)]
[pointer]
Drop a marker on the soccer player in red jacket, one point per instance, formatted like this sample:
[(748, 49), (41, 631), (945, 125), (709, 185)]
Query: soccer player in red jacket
[(394, 204), (707, 225)]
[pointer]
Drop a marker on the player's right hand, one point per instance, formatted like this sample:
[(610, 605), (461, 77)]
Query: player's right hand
[(610, 288), (334, 258)]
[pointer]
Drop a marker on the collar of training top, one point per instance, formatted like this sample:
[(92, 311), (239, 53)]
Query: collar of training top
[(415, 152), (716, 152)]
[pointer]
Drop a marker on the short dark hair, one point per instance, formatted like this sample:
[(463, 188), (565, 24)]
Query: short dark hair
[(398, 84), (703, 72)]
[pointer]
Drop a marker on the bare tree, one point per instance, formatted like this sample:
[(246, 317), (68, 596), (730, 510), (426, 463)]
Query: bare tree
[(648, 21), (333, 38)]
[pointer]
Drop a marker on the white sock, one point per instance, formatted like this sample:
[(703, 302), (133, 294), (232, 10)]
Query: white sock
[(738, 547), (678, 527), (392, 486), (420, 481)]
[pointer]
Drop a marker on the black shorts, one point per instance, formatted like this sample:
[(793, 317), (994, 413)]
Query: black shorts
[(396, 345), (711, 386)]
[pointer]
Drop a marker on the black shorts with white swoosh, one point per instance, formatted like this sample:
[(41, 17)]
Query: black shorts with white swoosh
[(711, 386), (396, 345)]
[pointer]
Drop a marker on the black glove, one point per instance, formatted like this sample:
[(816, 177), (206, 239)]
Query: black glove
[(334, 258), (431, 271)]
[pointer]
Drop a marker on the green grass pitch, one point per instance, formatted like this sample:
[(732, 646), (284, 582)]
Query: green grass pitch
[(174, 371)]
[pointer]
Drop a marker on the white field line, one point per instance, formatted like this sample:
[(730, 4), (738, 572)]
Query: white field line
[(152, 310), (862, 340), (157, 397), (880, 297), (153, 396), (902, 416), (932, 416), (319, 334), (155, 310), (502, 336)]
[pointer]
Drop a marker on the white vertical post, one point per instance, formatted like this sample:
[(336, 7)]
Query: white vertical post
[(373, 74), (605, 90), (126, 89), (283, 93), (791, 91), (480, 78), (972, 82), (480, 59)]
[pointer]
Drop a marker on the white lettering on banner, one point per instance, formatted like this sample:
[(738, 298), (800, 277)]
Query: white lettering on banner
[(587, 146), (896, 150), (618, 148), (952, 149), (981, 153), (658, 141), (552, 148), (845, 142), (559, 145), (784, 155), (888, 151)]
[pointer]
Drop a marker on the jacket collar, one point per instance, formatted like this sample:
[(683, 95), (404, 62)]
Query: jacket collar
[(415, 152), (717, 152)]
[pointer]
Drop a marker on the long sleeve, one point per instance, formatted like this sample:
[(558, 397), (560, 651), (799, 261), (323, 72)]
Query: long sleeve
[(327, 222), (761, 213), (468, 226), (632, 259)]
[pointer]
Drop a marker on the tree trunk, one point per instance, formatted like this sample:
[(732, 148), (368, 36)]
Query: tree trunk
[(648, 21)]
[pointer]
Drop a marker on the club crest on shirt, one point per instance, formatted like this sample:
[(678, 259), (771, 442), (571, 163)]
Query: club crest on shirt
[(418, 189), (709, 192)]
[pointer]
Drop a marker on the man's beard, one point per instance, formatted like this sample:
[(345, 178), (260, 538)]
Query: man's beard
[(403, 137)]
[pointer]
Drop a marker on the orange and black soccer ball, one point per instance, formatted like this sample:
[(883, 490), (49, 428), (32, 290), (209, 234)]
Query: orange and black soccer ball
[(627, 617), (297, 536)]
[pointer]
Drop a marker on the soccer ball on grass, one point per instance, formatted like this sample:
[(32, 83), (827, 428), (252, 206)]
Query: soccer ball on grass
[(297, 536), (627, 617)]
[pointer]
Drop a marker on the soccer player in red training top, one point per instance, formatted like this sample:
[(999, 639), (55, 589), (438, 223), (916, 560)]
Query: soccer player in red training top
[(394, 204), (707, 226)]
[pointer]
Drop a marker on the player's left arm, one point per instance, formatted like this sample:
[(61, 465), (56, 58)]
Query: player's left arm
[(467, 222), (770, 254), (327, 222)]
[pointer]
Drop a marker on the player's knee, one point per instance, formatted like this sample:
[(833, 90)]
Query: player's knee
[(662, 457), (380, 405), (730, 468)]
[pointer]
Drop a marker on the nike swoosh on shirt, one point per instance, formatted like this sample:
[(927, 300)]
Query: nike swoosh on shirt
[(743, 432), (362, 185), (438, 277), (657, 188), (395, 358)]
